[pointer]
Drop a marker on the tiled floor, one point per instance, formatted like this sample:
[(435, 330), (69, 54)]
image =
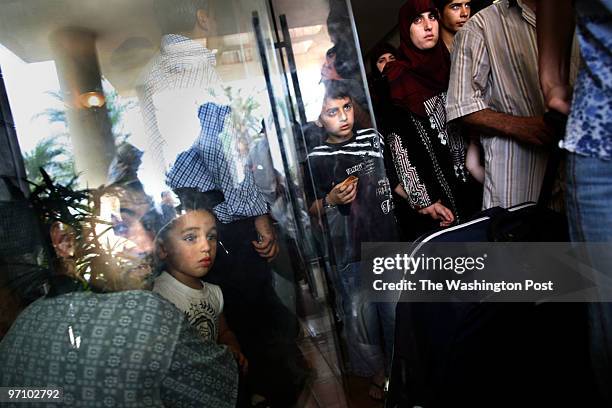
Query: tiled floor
[(328, 387)]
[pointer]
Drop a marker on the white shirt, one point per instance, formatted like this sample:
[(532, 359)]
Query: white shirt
[(201, 306)]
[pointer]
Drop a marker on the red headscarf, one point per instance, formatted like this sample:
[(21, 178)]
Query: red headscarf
[(418, 75)]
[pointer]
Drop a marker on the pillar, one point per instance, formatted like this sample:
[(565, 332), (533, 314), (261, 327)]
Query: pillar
[(90, 128)]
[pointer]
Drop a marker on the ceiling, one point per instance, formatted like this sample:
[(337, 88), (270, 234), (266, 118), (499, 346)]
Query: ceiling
[(375, 20), (127, 37)]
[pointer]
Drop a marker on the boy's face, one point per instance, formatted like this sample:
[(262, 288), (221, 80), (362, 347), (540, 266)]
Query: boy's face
[(337, 117), (190, 246), (455, 15)]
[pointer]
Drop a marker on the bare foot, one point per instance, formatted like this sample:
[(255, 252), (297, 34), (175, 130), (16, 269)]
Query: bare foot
[(377, 387)]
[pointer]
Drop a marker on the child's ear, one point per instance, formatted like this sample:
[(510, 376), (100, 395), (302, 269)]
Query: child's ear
[(318, 122), (160, 250)]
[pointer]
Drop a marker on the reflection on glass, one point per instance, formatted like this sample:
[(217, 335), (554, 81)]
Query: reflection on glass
[(165, 105)]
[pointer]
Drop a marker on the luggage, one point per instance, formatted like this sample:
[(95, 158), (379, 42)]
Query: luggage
[(491, 354), (494, 354)]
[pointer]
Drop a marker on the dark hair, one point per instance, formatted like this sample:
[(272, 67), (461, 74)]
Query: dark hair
[(193, 200), (434, 11), (440, 4), (335, 89), (377, 51), (178, 16), (162, 235)]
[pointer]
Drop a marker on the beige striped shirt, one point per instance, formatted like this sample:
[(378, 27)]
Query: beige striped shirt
[(494, 66)]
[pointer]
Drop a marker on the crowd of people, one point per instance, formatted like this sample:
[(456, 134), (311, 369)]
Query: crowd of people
[(187, 314)]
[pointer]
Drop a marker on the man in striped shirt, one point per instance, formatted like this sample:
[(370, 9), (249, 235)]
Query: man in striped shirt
[(494, 89)]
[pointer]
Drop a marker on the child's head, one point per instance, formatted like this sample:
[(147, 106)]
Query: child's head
[(188, 245), (337, 116), (453, 13)]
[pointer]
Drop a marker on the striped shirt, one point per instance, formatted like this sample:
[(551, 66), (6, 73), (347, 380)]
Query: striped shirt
[(184, 65), (190, 130), (365, 143), (494, 66), (369, 218)]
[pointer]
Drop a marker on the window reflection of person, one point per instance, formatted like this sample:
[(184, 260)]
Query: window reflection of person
[(124, 259), (189, 125), (168, 207), (329, 72), (342, 61), (74, 331), (179, 81)]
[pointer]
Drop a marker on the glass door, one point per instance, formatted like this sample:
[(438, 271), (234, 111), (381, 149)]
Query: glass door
[(321, 64), (181, 106)]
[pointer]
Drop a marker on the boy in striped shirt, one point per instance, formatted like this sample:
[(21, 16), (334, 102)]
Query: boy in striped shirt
[(351, 190)]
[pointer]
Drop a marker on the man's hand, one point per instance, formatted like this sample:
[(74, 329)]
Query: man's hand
[(532, 130), (437, 211), (558, 98), (525, 129), (342, 194), (267, 246)]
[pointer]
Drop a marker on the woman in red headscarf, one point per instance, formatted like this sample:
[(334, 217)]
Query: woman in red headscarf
[(428, 154)]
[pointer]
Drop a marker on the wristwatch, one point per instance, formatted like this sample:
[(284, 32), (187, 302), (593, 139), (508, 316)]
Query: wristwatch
[(325, 203)]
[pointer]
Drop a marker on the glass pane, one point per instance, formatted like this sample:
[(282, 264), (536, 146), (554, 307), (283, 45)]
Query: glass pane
[(174, 164), (339, 145)]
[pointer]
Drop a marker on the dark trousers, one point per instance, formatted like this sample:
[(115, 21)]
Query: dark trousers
[(265, 328)]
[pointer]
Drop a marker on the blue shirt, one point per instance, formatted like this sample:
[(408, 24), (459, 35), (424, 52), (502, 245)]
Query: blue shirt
[(589, 128), (207, 166)]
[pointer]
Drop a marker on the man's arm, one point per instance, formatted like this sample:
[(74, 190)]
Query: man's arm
[(466, 101), (528, 129), (555, 34)]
